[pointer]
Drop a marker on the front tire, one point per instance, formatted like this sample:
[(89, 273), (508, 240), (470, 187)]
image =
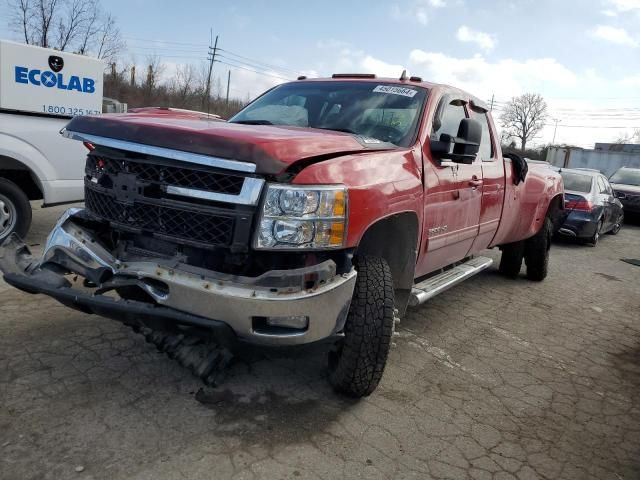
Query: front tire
[(15, 210), (536, 252), (616, 228), (357, 361)]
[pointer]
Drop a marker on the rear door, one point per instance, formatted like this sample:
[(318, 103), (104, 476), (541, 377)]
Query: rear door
[(492, 181)]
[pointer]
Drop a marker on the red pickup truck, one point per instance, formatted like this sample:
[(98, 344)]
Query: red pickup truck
[(319, 212)]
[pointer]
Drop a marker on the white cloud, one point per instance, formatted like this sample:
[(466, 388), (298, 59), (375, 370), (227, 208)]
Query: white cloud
[(417, 10), (609, 13), (479, 76), (632, 81), (421, 16), (625, 5), (484, 40), (370, 64), (332, 43), (619, 36)]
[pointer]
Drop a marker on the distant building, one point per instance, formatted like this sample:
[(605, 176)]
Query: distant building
[(619, 147), (606, 157)]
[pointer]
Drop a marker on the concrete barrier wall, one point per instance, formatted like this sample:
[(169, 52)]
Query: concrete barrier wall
[(606, 162)]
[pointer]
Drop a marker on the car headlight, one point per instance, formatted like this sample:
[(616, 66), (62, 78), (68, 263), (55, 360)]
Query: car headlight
[(295, 217)]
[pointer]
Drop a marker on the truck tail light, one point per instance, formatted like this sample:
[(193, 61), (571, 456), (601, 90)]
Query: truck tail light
[(90, 146)]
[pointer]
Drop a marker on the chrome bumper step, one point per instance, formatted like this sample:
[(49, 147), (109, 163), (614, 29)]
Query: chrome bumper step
[(431, 287)]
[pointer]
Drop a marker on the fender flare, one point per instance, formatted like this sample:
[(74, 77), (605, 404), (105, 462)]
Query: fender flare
[(395, 238)]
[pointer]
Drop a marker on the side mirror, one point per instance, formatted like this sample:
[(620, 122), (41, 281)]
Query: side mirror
[(464, 147)]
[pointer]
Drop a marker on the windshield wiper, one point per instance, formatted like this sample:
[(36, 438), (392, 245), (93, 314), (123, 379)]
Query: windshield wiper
[(345, 130), (254, 122)]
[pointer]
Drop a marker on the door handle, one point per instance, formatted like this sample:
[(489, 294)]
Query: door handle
[(475, 183)]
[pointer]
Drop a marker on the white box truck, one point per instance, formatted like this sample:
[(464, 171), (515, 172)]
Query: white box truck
[(40, 90)]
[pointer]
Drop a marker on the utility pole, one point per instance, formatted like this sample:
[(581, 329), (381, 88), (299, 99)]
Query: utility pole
[(555, 128), (212, 58), (492, 98), (133, 75), (228, 83)]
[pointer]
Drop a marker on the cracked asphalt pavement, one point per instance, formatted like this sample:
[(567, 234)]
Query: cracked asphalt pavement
[(494, 379)]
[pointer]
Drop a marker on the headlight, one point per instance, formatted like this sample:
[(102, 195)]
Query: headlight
[(296, 217)]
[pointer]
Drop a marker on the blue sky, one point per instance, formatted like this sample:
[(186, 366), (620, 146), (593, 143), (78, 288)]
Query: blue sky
[(583, 56)]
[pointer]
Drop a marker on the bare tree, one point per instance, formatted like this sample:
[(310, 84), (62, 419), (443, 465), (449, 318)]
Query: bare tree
[(20, 19), (155, 68), (629, 137), (80, 26), (183, 84), (524, 116)]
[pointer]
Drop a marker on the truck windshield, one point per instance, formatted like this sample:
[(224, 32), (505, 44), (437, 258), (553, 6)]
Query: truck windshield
[(626, 177), (576, 182), (386, 112)]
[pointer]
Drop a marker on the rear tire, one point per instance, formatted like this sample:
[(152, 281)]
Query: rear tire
[(536, 252), (15, 210), (511, 259), (593, 241), (357, 361)]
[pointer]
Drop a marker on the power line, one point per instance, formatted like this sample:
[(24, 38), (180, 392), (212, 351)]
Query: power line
[(203, 45), (253, 66), (259, 62), (167, 49), (590, 126), (254, 71)]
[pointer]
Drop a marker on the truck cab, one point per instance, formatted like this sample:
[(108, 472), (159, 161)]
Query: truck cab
[(320, 212)]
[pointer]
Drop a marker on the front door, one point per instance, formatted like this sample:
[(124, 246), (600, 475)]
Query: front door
[(453, 197)]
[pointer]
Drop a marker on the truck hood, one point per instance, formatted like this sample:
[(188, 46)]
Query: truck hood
[(271, 148)]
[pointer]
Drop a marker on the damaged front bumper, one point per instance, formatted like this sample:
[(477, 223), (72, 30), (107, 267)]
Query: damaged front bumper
[(280, 307)]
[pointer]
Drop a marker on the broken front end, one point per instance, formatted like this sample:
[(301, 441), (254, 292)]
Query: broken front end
[(175, 241)]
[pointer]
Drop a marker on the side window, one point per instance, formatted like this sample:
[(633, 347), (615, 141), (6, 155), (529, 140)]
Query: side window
[(486, 147), (450, 120), (609, 187), (602, 188), (606, 188)]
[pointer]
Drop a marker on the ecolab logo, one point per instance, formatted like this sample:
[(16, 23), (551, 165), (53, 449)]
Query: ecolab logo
[(49, 79)]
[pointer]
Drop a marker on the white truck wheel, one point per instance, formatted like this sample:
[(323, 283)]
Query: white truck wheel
[(15, 210)]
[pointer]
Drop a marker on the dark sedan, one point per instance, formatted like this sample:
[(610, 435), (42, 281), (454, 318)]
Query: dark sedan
[(590, 204), (626, 185)]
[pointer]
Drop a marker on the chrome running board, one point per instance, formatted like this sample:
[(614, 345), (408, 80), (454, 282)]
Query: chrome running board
[(431, 287)]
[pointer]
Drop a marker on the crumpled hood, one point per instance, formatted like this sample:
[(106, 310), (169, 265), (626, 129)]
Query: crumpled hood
[(271, 148)]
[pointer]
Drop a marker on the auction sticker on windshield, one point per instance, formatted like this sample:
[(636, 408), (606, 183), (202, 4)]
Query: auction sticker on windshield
[(405, 92)]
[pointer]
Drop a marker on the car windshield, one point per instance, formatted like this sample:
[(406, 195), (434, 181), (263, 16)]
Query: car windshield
[(577, 182), (626, 177), (389, 113)]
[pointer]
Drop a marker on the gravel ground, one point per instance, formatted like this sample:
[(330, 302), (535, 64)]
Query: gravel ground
[(495, 379)]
